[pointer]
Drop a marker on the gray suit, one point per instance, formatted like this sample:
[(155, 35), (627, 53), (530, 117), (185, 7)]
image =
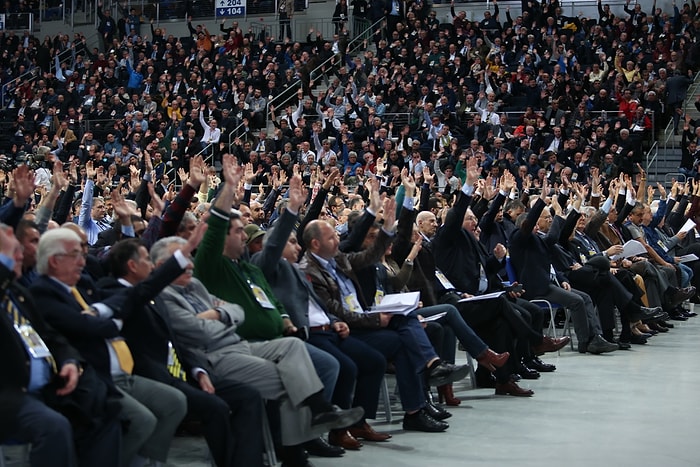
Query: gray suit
[(279, 369)]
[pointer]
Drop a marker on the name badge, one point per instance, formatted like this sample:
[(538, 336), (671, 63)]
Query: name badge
[(171, 354), (34, 342), (444, 281), (261, 297), (378, 295), (351, 304), (662, 246)]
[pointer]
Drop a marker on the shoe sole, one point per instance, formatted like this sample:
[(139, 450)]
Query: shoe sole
[(437, 430), (456, 375), (348, 418)]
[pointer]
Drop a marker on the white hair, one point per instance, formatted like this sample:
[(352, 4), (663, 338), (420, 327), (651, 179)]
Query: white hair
[(52, 243), (160, 249)]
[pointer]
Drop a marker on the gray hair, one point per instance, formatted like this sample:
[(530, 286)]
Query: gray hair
[(52, 243), (160, 249)]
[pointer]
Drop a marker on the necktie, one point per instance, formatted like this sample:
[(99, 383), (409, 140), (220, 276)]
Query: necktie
[(174, 365), (79, 298), (126, 361)]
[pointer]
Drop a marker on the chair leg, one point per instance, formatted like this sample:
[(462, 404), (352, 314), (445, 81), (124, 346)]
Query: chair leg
[(271, 457), (384, 388), (567, 327), (472, 374)]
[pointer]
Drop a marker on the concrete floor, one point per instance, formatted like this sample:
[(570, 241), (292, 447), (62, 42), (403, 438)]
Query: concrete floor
[(638, 407), (626, 408)]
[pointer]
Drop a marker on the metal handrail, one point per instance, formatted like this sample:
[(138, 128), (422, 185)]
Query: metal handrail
[(353, 45), (208, 146), (651, 159)]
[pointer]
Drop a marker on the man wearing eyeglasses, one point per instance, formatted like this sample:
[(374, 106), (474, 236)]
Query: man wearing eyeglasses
[(75, 307)]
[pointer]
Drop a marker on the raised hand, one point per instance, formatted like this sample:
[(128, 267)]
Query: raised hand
[(389, 213), (198, 172), (157, 203), (408, 182), (473, 171), (375, 201), (296, 193), (24, 186)]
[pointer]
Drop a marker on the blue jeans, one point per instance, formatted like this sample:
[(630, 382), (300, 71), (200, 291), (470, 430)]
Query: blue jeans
[(466, 336)]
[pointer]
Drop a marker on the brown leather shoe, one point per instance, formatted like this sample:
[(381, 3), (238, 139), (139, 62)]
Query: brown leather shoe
[(490, 359), (550, 344), (368, 433), (343, 439), (511, 388)]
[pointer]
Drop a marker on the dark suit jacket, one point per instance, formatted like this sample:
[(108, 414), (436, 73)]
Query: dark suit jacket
[(86, 333), (529, 253), (146, 331), (459, 254), (423, 275), (15, 362)]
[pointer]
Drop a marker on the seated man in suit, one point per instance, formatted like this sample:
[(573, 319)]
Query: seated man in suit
[(395, 336), (280, 368), (529, 249), (361, 367), (72, 305), (230, 413), (41, 376)]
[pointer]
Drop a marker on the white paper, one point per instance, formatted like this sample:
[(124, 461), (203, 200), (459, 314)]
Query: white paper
[(630, 248), (688, 258), (688, 226), (426, 319), (487, 296), (399, 303)]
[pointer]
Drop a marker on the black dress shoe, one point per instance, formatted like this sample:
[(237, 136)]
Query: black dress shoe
[(539, 365), (445, 373), (319, 447), (623, 345), (421, 421), (666, 324), (437, 412), (338, 418), (527, 373), (648, 314), (582, 347), (637, 340)]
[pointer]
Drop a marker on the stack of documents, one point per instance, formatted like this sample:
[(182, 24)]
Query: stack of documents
[(397, 303)]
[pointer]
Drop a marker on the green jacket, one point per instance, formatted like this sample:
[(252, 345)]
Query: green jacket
[(233, 281)]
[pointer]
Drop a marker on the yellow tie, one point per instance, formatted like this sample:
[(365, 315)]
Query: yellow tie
[(79, 298), (126, 361)]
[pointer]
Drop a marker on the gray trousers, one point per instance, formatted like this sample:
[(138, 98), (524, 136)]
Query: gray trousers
[(279, 369), (154, 411), (580, 305)]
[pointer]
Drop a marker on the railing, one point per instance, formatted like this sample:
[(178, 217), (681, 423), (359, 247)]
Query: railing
[(8, 88), (280, 100), (302, 27), (18, 22), (651, 158), (208, 151)]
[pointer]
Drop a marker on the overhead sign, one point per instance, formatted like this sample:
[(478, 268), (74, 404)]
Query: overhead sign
[(229, 8)]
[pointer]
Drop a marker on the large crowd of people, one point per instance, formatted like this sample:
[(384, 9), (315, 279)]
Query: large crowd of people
[(179, 243)]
